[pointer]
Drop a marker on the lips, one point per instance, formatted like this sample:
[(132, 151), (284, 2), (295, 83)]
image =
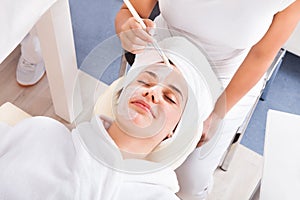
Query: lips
[(143, 105)]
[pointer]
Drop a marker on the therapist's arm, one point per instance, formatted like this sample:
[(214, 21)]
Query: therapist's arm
[(256, 63)]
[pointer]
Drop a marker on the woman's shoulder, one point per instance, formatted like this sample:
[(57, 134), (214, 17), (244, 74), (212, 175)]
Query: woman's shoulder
[(43, 125), (39, 131), (39, 151)]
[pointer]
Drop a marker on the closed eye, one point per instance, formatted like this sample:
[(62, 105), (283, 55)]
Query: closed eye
[(143, 82), (169, 99)]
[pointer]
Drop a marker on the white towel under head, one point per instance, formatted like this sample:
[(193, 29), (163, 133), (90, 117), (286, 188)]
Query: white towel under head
[(203, 90)]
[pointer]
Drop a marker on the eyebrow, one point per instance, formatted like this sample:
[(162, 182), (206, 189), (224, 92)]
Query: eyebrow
[(151, 74), (171, 86)]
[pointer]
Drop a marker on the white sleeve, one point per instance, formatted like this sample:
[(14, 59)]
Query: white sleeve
[(284, 4)]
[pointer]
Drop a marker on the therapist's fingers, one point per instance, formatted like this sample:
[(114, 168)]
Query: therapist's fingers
[(150, 26), (133, 45), (210, 127), (133, 37), (206, 127), (203, 140), (213, 123), (143, 34)]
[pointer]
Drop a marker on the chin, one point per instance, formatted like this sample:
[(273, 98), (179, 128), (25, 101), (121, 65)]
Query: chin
[(142, 123)]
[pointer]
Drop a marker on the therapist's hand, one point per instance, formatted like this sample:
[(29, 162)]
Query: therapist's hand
[(133, 37), (206, 129), (214, 121)]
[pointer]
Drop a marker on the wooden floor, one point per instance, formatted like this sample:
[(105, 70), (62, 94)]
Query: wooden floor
[(35, 100)]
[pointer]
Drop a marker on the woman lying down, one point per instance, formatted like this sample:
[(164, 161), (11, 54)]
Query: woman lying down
[(131, 155)]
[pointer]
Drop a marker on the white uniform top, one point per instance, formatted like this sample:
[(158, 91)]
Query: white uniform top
[(41, 159), (225, 30)]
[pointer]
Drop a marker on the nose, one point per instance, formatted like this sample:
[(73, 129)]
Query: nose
[(152, 94)]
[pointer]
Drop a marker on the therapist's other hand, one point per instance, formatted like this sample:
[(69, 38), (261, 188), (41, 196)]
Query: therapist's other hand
[(133, 37), (206, 127), (210, 127), (214, 121)]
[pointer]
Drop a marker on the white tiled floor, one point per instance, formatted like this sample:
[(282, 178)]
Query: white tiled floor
[(242, 177)]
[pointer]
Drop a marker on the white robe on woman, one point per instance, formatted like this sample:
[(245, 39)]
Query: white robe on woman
[(41, 159)]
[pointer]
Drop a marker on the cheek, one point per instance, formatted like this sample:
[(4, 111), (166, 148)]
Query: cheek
[(129, 93), (173, 114)]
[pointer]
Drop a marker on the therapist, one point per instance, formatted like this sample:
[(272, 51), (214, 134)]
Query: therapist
[(240, 39)]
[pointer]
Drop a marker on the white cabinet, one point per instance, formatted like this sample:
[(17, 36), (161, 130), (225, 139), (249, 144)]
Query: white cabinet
[(281, 178), (293, 44)]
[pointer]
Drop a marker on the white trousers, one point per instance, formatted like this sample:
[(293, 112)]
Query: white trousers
[(30, 48), (195, 175)]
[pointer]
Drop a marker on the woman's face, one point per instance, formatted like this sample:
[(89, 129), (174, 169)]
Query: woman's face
[(153, 102)]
